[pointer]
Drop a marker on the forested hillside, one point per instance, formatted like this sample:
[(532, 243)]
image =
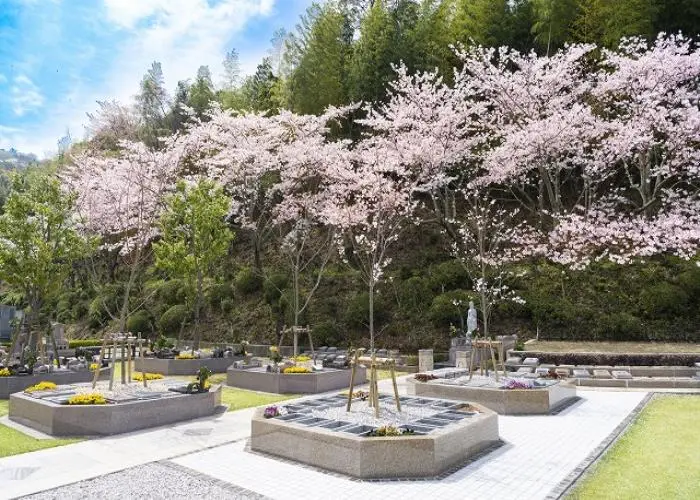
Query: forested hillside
[(558, 165)]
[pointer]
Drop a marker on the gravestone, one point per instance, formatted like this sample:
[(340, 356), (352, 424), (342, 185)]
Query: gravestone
[(581, 373), (621, 375), (462, 359), (425, 360)]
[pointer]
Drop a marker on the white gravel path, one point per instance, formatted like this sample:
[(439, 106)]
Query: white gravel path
[(156, 481)]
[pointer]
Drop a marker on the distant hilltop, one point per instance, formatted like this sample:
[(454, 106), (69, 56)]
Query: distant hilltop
[(10, 159)]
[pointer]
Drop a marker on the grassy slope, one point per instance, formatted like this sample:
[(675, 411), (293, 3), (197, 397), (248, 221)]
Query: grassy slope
[(614, 347), (656, 458), (13, 442)]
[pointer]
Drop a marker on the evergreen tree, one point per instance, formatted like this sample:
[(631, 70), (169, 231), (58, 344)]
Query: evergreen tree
[(232, 70), (606, 21), (178, 116), (319, 55), (201, 93), (553, 23), (152, 103), (678, 15), (370, 66), (483, 21)]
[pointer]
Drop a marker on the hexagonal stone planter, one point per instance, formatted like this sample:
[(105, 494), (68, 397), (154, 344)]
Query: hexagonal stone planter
[(442, 441), (10, 385), (258, 379), (536, 401), (182, 366), (45, 414)]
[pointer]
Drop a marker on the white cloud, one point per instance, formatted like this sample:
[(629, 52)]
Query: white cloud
[(25, 95), (180, 34)]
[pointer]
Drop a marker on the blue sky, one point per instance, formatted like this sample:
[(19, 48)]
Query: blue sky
[(57, 57)]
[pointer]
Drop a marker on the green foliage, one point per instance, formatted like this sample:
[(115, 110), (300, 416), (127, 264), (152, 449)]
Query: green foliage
[(319, 54), (72, 344), (273, 287), (217, 293), (444, 312), (140, 322), (172, 320), (38, 240), (248, 281), (357, 312), (195, 237)]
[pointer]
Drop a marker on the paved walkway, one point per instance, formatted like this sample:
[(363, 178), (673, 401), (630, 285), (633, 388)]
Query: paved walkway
[(540, 451)]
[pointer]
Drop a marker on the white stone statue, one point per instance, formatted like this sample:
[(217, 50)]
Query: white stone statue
[(471, 319)]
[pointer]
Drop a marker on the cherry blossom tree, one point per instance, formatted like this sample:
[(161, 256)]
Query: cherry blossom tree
[(120, 198), (372, 203)]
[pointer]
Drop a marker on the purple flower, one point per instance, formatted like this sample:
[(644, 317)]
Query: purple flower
[(271, 411)]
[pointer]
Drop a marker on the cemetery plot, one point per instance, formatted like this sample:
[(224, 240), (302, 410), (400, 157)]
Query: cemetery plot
[(425, 439)]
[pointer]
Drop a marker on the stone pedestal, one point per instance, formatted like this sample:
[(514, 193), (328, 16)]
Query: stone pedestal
[(462, 359), (425, 360)]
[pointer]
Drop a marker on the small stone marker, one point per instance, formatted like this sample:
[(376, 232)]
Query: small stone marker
[(601, 373), (514, 361), (462, 359), (581, 373), (540, 370), (562, 372), (425, 360), (621, 374), (531, 361), (524, 369)]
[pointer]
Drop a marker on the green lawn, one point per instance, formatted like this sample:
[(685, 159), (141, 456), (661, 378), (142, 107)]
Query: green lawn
[(237, 399), (656, 458), (614, 347), (13, 442)]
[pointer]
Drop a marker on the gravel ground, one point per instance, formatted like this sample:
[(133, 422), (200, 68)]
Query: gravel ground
[(362, 413), (156, 481)]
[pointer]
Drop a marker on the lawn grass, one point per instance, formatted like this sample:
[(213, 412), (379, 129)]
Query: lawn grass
[(13, 442), (656, 458), (613, 347), (238, 399)]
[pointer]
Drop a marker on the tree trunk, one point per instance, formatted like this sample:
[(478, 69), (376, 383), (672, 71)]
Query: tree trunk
[(371, 314), (197, 309)]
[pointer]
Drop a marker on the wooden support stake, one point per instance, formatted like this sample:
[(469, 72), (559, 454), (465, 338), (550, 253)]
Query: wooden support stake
[(493, 359), (143, 373), (122, 341), (352, 378), (113, 363), (99, 361), (396, 388), (128, 360), (471, 359)]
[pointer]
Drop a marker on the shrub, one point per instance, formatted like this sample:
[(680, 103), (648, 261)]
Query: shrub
[(273, 287), (4, 372), (93, 398), (172, 319), (139, 322), (218, 293), (443, 312), (184, 355), (295, 369), (247, 281), (448, 275), (42, 386), (412, 360), (301, 358), (271, 412), (76, 343), (94, 367), (424, 377), (611, 359), (149, 376)]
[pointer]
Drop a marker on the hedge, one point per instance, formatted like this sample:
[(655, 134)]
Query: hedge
[(72, 344), (611, 359)]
